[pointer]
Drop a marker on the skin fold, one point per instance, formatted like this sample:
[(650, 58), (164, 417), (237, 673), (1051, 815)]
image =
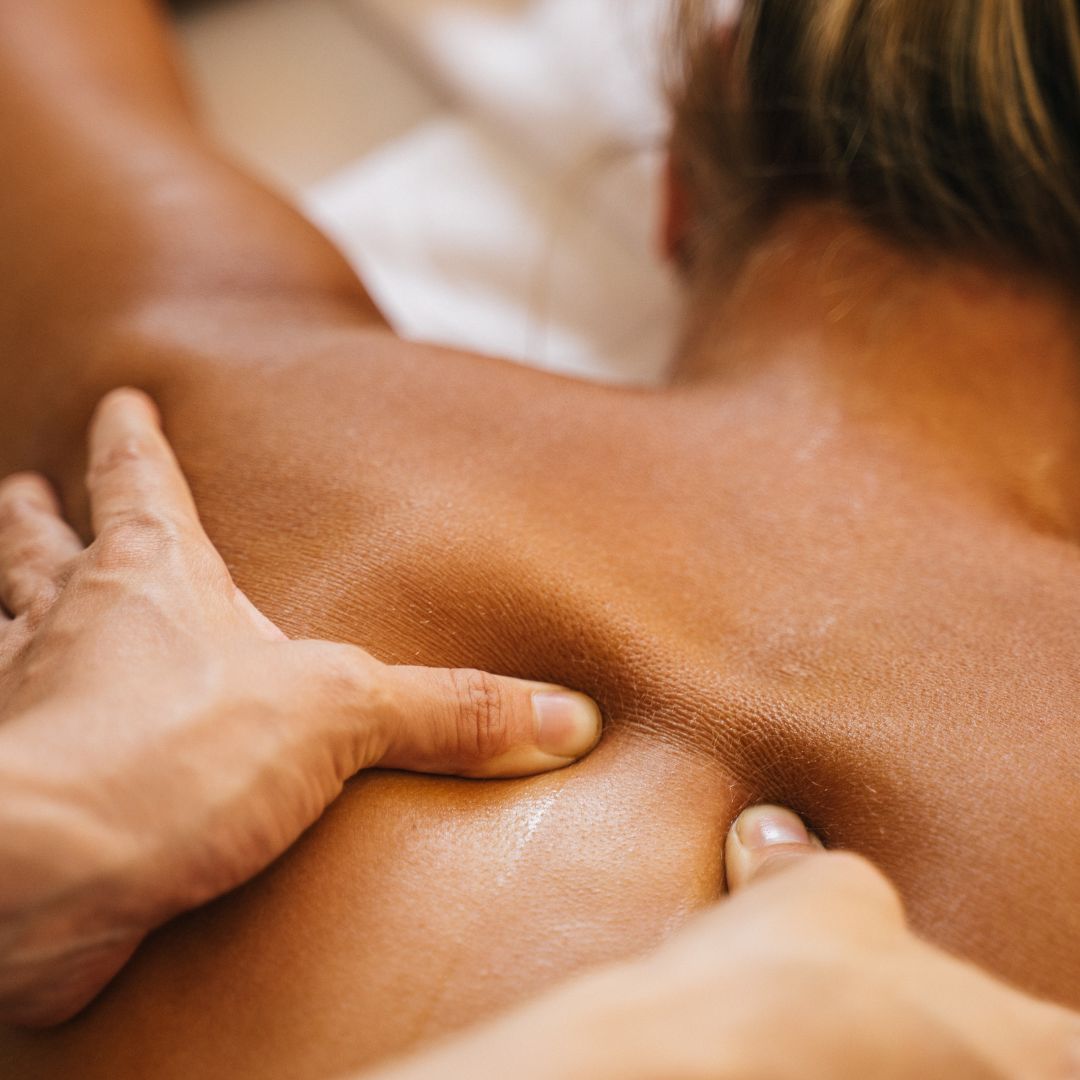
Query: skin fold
[(832, 565)]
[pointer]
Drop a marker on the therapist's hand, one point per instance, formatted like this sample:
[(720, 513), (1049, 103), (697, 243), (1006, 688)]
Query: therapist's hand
[(161, 741), (809, 972)]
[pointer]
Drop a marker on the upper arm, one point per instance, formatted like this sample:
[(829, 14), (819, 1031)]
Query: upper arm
[(122, 221)]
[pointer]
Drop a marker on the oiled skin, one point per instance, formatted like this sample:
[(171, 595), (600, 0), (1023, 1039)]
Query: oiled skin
[(772, 596)]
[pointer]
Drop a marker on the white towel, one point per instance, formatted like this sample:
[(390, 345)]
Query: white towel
[(522, 221)]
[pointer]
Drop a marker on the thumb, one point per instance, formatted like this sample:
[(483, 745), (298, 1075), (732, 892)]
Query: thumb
[(763, 839), (469, 723)]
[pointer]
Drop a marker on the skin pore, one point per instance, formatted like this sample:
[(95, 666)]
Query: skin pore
[(832, 565)]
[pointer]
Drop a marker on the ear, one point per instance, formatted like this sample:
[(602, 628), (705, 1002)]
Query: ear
[(676, 219)]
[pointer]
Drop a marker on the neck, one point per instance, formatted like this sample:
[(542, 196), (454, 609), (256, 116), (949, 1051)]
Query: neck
[(977, 368)]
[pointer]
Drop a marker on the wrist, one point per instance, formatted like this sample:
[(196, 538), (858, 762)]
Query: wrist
[(55, 852), (68, 853), (62, 916)]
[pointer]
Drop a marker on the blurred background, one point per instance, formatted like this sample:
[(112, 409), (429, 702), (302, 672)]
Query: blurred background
[(492, 167)]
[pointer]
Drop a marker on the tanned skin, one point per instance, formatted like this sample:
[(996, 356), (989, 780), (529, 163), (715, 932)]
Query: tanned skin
[(832, 565)]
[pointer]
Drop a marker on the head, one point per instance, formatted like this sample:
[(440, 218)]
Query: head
[(951, 126)]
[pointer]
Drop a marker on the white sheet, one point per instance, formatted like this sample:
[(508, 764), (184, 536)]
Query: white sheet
[(521, 220)]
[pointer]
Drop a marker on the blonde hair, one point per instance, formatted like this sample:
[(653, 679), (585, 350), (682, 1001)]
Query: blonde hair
[(950, 124)]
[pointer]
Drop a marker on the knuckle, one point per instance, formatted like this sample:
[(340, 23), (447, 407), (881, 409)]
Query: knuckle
[(135, 539), (148, 523), (37, 604), (29, 485), (479, 701), (23, 552), (345, 675), (18, 509), (125, 453), (340, 689)]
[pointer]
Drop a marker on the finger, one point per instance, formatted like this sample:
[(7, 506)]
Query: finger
[(35, 542), (771, 850), (762, 838), (470, 723), (133, 473)]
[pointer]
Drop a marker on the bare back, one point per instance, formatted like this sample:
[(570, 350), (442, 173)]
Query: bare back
[(766, 605)]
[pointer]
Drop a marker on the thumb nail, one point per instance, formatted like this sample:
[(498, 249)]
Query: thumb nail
[(766, 826), (567, 724), (758, 834)]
